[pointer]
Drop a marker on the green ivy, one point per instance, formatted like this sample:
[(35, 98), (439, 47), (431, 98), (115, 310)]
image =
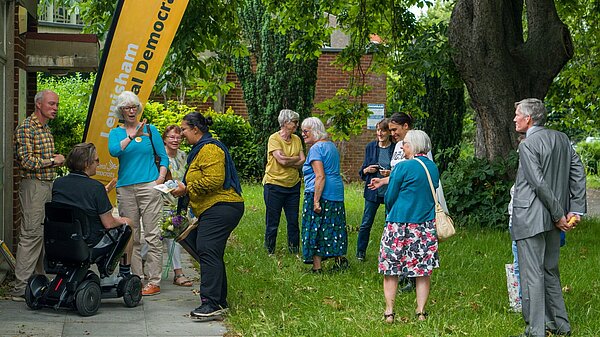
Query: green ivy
[(478, 192)]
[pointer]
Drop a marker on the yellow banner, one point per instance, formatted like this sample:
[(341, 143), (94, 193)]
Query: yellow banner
[(136, 47)]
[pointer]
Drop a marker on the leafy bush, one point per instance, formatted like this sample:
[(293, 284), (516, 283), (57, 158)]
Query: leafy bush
[(478, 192), (590, 156), (162, 115), (233, 130), (74, 93)]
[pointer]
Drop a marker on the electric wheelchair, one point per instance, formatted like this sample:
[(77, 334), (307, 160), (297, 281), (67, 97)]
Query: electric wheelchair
[(69, 235)]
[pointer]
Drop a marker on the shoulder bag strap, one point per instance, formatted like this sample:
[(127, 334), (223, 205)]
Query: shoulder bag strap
[(428, 178), (151, 142)]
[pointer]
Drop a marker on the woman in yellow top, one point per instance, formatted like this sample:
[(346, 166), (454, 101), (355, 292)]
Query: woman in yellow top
[(215, 196), (282, 181)]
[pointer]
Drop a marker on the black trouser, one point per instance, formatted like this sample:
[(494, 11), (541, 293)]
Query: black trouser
[(278, 198), (214, 227)]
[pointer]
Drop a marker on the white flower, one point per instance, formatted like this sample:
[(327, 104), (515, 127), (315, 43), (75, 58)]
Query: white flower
[(170, 228)]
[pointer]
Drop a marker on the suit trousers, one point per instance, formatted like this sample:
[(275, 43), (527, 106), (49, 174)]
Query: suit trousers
[(33, 195), (214, 227), (143, 202), (543, 303)]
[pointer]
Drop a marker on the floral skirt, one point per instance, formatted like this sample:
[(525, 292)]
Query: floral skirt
[(323, 234), (408, 249)]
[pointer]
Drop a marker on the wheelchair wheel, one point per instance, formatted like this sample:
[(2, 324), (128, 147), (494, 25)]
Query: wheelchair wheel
[(132, 291), (87, 298), (34, 290)]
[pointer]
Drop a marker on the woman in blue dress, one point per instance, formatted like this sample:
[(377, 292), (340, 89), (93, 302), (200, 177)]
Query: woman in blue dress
[(324, 232)]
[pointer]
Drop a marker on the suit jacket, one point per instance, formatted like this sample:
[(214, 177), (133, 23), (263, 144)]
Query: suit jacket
[(550, 183)]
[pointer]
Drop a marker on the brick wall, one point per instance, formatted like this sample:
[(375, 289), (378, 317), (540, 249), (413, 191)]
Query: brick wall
[(330, 78)]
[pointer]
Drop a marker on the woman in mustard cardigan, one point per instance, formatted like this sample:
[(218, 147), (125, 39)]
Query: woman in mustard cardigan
[(215, 196)]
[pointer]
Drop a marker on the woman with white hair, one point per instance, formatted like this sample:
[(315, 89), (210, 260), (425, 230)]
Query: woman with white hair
[(134, 144), (281, 182), (324, 232), (409, 245)]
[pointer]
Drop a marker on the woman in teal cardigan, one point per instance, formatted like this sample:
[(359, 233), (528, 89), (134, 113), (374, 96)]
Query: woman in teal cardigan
[(409, 244)]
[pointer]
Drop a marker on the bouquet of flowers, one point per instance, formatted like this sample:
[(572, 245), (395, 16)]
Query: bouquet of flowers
[(172, 224)]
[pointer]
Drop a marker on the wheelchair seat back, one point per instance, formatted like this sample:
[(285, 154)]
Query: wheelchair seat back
[(66, 233)]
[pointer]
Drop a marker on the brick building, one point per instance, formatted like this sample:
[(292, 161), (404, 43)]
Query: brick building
[(330, 78)]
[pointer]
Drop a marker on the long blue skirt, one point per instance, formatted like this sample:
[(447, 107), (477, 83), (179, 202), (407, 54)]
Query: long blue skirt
[(323, 234)]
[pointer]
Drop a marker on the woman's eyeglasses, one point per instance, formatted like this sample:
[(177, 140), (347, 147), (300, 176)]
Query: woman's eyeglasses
[(177, 138), (305, 131), (133, 107)]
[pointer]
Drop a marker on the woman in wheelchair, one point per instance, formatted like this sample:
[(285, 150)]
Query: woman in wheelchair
[(79, 190)]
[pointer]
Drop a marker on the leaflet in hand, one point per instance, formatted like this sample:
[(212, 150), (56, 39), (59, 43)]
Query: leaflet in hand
[(167, 187)]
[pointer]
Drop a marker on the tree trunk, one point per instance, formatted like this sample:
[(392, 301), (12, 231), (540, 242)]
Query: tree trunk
[(501, 65)]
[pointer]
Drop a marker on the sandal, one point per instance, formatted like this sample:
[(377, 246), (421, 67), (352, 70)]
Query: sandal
[(389, 318), (421, 316), (182, 281)]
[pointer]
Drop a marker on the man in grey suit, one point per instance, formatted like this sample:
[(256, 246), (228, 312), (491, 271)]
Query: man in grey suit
[(549, 197)]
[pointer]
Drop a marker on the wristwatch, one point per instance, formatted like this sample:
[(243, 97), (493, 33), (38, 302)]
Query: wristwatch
[(130, 138)]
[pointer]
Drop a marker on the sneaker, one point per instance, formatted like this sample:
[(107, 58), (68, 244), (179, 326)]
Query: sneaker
[(18, 298), (360, 256), (150, 289), (207, 311)]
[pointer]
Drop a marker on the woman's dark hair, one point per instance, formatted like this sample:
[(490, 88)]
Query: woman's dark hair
[(401, 118), (81, 156), (383, 124), (198, 120), (169, 128)]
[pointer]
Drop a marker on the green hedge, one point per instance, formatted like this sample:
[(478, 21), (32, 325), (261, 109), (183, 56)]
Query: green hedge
[(233, 130), (478, 192), (590, 156)]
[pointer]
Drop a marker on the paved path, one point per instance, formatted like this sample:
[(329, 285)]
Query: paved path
[(166, 314), (593, 202)]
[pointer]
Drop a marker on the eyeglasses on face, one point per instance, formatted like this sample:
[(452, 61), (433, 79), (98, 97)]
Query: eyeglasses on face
[(177, 138), (131, 107), (295, 121), (305, 131)]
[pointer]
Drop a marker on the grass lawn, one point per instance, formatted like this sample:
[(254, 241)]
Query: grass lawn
[(277, 296)]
